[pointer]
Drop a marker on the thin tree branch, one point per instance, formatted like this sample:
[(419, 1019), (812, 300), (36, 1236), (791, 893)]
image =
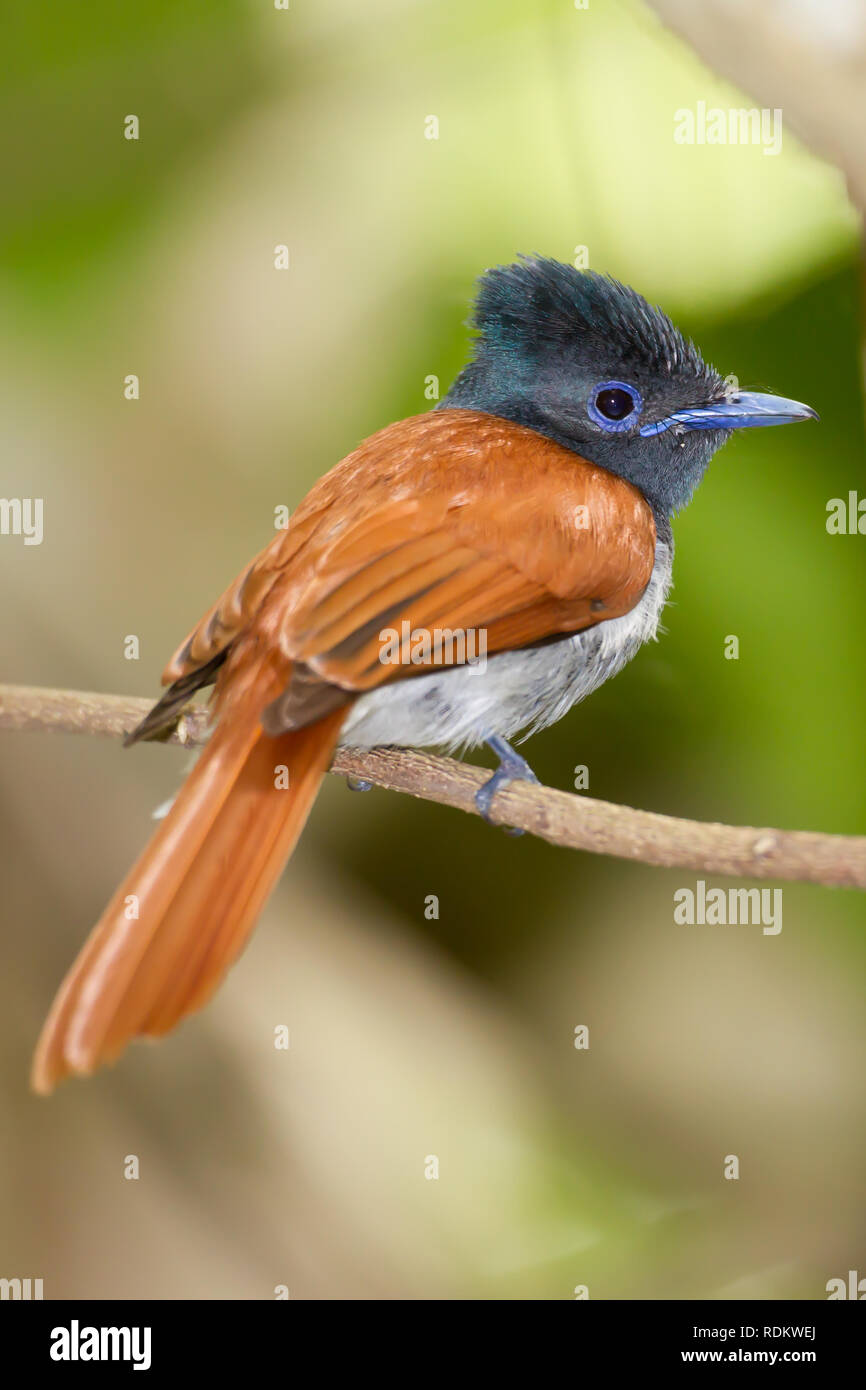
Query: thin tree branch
[(578, 822)]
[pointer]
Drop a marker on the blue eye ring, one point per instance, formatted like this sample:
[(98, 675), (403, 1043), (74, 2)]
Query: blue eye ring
[(610, 422)]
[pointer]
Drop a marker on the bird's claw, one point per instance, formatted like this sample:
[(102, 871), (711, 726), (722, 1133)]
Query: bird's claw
[(512, 768)]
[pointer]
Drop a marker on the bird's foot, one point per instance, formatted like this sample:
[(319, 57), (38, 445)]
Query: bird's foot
[(512, 768)]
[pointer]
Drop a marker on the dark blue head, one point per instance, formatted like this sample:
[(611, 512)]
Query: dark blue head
[(587, 361)]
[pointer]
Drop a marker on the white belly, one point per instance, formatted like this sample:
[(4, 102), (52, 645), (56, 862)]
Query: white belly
[(458, 707)]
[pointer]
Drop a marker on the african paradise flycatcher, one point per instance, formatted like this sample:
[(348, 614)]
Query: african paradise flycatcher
[(532, 505)]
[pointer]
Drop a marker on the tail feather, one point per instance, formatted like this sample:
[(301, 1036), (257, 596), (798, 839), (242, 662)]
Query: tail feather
[(199, 887), (236, 886)]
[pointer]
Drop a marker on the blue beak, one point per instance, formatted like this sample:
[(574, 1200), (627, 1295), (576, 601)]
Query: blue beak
[(741, 412)]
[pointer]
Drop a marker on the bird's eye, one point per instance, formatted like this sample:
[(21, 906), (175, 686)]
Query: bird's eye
[(614, 405)]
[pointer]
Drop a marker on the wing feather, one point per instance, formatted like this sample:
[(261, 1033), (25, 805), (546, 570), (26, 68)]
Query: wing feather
[(452, 520)]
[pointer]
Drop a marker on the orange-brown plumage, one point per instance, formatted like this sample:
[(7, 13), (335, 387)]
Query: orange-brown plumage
[(454, 519), (485, 516), (196, 890)]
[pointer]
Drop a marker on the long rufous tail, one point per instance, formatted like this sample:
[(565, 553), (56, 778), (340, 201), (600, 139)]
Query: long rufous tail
[(185, 910)]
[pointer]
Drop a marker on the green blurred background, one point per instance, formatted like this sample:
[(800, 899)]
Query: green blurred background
[(411, 1037)]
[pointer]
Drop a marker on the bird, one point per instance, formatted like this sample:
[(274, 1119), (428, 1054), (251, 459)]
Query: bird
[(532, 504)]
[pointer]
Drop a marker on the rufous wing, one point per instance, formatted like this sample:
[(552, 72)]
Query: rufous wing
[(452, 520)]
